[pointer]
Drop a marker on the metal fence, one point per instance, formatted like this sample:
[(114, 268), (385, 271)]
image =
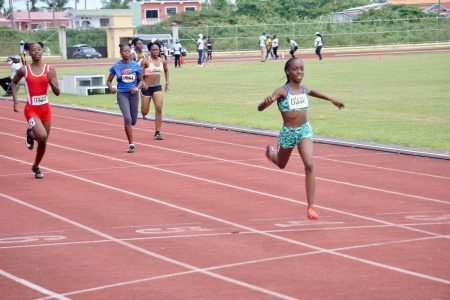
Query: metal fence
[(242, 37), (336, 34)]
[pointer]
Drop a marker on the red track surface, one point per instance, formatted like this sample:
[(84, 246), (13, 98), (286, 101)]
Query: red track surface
[(203, 215)]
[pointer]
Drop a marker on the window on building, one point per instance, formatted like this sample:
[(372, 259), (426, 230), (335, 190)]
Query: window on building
[(189, 8), (151, 14), (170, 11), (104, 22)]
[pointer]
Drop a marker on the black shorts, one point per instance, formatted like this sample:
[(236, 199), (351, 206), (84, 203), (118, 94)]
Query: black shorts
[(151, 89)]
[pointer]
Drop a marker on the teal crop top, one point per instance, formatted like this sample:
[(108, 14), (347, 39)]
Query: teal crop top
[(293, 102)]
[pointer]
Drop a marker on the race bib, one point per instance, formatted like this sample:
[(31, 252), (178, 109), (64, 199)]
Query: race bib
[(39, 100), (298, 102), (128, 78)]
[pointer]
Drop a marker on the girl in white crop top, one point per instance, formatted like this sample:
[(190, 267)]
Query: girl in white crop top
[(153, 67), (296, 130)]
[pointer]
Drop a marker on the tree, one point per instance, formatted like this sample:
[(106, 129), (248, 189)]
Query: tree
[(33, 5), (116, 4), (221, 5), (57, 5)]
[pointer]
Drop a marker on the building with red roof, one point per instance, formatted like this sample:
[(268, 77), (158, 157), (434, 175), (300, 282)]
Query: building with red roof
[(39, 20)]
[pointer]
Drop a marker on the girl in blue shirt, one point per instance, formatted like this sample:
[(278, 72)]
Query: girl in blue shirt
[(128, 74)]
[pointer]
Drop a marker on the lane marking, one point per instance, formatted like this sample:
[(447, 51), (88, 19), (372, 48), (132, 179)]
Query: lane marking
[(244, 164), (32, 285), (201, 235), (261, 149), (137, 248), (228, 266), (221, 184), (220, 220)]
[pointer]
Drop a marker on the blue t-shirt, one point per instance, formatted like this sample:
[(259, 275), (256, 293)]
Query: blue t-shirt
[(126, 75)]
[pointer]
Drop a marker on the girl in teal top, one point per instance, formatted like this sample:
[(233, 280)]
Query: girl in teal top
[(292, 100)]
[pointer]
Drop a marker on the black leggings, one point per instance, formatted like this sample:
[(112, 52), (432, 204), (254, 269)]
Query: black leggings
[(318, 48)]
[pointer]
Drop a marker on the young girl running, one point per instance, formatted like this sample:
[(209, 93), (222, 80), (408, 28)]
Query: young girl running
[(38, 77), (129, 80), (153, 67), (292, 102)]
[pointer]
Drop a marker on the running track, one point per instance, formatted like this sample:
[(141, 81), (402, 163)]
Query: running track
[(203, 215)]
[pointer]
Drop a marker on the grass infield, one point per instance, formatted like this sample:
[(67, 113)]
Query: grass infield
[(394, 99)]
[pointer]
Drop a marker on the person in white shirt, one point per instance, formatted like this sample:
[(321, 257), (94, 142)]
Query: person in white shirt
[(200, 48), (262, 46), (177, 53), (318, 43), (5, 83), (275, 46), (294, 47)]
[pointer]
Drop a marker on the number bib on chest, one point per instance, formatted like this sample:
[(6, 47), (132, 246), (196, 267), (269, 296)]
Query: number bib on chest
[(297, 102), (39, 100), (128, 78)]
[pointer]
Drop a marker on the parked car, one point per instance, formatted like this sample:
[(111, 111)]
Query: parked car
[(85, 51)]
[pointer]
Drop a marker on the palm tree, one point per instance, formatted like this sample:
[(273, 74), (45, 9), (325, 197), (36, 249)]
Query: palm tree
[(114, 4), (57, 5)]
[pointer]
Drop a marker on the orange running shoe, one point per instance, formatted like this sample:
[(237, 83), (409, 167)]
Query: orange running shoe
[(312, 215)]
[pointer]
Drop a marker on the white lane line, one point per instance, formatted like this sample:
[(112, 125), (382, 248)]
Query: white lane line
[(238, 264), (220, 220), (251, 165), (202, 235), (225, 185), (31, 285), (261, 149), (136, 248)]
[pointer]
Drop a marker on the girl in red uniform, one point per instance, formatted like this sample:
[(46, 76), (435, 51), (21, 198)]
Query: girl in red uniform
[(38, 77)]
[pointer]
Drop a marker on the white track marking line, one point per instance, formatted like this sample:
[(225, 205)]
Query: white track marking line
[(32, 285), (233, 265), (250, 165), (260, 149), (384, 168), (136, 248), (257, 148), (223, 221), (201, 235), (223, 184)]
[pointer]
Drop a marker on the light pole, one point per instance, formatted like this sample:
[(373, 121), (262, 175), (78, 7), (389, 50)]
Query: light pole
[(11, 8)]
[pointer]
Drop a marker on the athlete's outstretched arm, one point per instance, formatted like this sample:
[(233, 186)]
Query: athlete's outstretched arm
[(317, 94)]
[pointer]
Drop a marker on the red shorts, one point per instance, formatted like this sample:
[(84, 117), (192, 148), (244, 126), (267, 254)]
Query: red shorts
[(42, 112)]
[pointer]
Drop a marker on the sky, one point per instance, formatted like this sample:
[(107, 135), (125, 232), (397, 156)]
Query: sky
[(90, 4)]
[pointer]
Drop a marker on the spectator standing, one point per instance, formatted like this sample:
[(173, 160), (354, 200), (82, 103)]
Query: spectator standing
[(262, 46), (269, 47), (275, 46), (200, 48), (177, 53), (293, 46), (209, 48), (318, 43)]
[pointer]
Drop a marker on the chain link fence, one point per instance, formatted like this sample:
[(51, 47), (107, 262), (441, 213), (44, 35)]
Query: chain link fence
[(245, 37), (336, 34)]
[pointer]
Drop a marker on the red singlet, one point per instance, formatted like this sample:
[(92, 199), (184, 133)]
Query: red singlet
[(37, 102)]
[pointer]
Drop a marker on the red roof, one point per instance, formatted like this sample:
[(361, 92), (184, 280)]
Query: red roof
[(39, 15)]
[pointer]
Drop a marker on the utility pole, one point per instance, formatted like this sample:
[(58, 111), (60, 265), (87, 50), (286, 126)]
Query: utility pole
[(11, 16), (29, 15), (53, 6)]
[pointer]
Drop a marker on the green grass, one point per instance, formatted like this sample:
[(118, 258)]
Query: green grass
[(396, 99)]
